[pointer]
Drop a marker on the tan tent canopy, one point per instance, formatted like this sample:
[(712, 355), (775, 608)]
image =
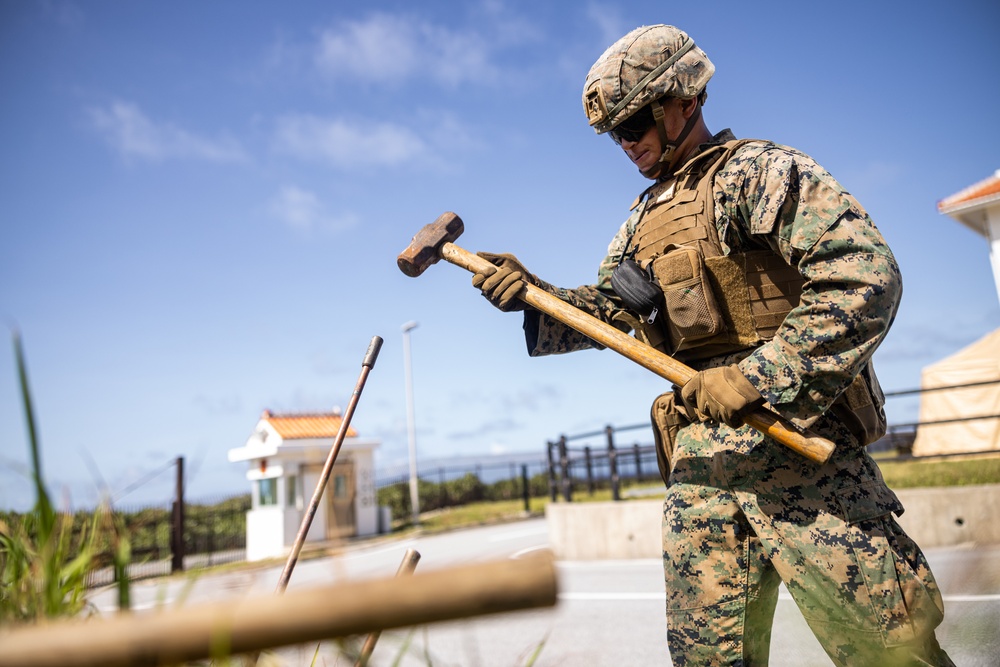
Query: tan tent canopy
[(977, 363)]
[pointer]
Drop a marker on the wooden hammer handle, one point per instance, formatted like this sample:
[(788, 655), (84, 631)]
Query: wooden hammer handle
[(773, 425)]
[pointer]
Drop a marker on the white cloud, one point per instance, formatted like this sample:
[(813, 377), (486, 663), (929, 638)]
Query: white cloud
[(303, 211), (348, 145), (387, 48), (284, 53), (508, 27), (133, 134), (608, 20)]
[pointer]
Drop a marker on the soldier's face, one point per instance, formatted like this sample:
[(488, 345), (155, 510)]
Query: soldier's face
[(645, 151)]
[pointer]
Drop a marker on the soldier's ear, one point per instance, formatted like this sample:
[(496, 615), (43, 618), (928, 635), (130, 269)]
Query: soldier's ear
[(689, 106)]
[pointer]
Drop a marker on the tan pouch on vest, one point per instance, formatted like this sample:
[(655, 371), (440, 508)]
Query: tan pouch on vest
[(692, 311), (860, 407), (667, 420)]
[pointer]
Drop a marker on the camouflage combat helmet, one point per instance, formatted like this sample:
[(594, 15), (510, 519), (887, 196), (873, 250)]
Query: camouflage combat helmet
[(646, 64)]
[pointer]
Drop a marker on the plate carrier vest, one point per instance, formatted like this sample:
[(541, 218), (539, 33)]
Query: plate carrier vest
[(715, 303), (719, 304)]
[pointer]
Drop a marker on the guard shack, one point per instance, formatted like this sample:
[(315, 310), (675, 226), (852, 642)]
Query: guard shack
[(285, 456)]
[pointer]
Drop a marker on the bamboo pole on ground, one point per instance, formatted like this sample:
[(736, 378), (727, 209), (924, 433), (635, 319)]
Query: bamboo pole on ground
[(317, 614)]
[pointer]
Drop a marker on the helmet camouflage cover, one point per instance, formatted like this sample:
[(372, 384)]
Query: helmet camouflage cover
[(646, 64)]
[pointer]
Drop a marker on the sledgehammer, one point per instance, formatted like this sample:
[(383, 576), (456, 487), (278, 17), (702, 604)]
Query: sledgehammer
[(434, 242)]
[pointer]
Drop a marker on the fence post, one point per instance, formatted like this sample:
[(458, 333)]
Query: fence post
[(567, 482), (638, 462), (177, 557), (590, 470), (210, 519), (525, 489), (613, 463), (552, 470)]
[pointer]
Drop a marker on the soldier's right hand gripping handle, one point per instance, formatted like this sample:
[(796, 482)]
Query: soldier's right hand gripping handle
[(503, 286)]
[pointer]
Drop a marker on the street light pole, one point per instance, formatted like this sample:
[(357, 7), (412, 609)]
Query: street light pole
[(411, 422)]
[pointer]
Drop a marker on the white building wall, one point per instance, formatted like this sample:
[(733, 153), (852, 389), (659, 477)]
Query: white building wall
[(993, 229), (293, 520), (264, 531), (365, 504), (291, 503)]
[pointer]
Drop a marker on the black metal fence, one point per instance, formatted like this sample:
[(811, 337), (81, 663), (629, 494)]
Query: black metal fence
[(600, 462), (901, 436), (596, 462), (440, 486), (214, 532)]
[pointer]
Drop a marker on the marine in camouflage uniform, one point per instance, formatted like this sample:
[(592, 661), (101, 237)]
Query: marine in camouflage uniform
[(743, 513)]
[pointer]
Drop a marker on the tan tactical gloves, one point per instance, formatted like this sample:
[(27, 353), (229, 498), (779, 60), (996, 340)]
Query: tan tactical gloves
[(502, 286), (720, 394)]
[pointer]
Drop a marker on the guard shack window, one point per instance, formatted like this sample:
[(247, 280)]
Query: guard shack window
[(267, 491), (340, 486)]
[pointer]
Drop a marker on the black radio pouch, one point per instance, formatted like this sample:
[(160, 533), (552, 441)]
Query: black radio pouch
[(638, 289)]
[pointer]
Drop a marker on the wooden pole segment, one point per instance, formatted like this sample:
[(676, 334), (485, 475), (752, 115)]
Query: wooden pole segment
[(406, 567), (773, 425), (299, 616)]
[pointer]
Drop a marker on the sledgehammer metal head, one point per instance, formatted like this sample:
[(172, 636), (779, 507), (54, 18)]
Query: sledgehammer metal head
[(425, 248)]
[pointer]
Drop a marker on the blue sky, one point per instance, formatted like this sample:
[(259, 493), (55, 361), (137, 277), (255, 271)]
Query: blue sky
[(202, 203)]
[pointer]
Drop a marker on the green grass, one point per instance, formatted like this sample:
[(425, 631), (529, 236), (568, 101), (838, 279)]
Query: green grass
[(912, 474)]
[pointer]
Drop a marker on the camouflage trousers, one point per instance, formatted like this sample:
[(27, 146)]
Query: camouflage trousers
[(743, 514)]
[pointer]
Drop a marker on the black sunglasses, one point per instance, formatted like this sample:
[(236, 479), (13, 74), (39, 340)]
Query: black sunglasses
[(633, 128)]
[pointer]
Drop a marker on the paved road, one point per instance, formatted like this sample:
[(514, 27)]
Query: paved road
[(610, 613)]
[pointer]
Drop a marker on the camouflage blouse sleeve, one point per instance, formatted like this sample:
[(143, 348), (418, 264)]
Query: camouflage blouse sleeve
[(546, 335), (783, 198)]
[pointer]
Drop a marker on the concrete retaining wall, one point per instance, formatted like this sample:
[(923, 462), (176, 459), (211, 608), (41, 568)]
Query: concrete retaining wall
[(631, 529), (936, 517)]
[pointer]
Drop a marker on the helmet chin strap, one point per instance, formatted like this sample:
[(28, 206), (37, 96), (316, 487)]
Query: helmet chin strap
[(670, 147)]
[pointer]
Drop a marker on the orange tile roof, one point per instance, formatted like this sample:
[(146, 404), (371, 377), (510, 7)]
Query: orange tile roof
[(981, 192), (307, 425)]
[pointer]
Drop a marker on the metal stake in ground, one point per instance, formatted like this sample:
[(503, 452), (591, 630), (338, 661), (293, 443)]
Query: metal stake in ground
[(409, 564), (293, 557)]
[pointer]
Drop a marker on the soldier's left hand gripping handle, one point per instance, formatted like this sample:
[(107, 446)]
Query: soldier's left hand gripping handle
[(434, 242)]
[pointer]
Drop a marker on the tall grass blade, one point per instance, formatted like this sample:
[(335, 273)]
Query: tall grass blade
[(537, 652), (46, 515), (122, 557), (43, 517), (404, 648), (45, 557)]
